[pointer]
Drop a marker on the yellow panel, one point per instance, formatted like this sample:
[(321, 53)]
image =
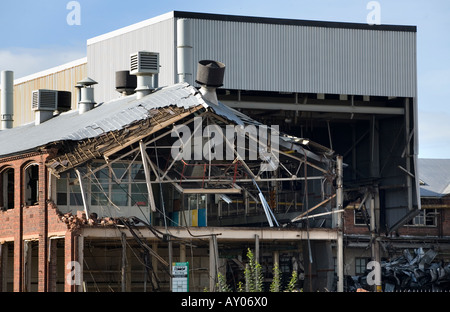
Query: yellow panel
[(194, 214)]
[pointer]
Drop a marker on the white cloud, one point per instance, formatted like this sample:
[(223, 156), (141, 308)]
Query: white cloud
[(29, 61)]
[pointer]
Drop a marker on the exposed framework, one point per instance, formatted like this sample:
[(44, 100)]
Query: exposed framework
[(150, 142)]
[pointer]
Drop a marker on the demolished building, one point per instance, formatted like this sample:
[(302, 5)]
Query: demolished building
[(105, 181), (332, 88)]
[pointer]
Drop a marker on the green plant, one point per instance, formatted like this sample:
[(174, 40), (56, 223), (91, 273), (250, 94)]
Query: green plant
[(292, 282), (253, 274), (222, 283), (275, 286), (254, 278)]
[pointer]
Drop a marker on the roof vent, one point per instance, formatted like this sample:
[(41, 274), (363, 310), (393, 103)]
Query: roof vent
[(86, 102), (51, 100), (210, 76), (64, 101), (145, 65), (45, 100), (125, 82), (144, 62)]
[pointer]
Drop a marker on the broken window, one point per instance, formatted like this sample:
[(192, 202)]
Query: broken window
[(426, 217), (7, 195), (359, 217), (120, 185), (31, 179)]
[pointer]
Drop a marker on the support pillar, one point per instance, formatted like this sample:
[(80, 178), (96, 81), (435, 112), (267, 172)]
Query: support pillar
[(73, 265), (52, 265), (18, 233), (182, 253), (339, 225), (43, 230), (213, 263)]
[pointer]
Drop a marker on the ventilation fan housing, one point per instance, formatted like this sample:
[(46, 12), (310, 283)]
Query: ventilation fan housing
[(144, 62)]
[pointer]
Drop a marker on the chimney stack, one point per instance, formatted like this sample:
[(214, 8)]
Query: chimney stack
[(7, 99), (210, 76)]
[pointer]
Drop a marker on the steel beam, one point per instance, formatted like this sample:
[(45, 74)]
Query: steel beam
[(377, 110)]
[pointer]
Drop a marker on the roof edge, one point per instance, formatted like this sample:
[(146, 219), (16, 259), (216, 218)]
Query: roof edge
[(131, 27), (294, 22)]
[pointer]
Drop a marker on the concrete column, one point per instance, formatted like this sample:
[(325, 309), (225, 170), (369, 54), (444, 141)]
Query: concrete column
[(339, 224), (182, 253)]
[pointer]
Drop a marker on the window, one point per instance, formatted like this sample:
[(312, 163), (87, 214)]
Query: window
[(7, 195), (120, 184), (31, 190), (426, 217), (359, 216), (196, 201), (67, 191), (361, 265)]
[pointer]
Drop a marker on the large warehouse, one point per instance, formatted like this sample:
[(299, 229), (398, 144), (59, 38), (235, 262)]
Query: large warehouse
[(337, 91)]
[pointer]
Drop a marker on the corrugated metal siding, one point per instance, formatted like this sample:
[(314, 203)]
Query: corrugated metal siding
[(105, 57), (292, 58), (63, 80)]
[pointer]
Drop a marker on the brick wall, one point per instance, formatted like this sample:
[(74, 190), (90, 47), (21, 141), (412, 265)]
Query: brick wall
[(30, 222), (441, 229)]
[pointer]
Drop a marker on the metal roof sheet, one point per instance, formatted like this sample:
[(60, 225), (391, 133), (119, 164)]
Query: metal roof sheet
[(105, 117), (117, 115), (435, 175)]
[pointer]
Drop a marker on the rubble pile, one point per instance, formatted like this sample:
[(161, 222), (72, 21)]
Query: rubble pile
[(75, 221), (411, 272)]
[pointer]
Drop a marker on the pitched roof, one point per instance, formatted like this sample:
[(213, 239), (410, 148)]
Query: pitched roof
[(105, 117), (435, 177)]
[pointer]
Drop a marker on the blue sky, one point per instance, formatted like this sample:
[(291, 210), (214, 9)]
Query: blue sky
[(36, 36)]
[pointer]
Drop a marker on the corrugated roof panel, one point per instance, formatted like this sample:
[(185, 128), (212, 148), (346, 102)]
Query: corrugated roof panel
[(106, 117)]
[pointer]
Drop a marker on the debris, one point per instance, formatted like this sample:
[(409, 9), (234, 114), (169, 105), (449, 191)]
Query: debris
[(409, 272)]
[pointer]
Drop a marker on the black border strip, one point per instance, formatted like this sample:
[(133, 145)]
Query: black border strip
[(295, 22)]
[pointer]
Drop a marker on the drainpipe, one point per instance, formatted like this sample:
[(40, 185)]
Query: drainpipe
[(7, 99)]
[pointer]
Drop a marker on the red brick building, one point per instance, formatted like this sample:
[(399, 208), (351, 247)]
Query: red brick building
[(429, 229)]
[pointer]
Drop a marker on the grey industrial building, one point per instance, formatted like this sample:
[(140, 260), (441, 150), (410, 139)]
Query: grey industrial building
[(341, 94)]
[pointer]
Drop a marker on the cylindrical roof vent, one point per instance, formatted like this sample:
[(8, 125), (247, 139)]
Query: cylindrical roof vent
[(87, 101), (125, 82), (210, 73)]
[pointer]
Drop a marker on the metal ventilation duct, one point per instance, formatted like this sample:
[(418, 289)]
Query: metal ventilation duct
[(7, 99), (145, 65), (125, 82), (86, 95), (46, 102), (210, 76)]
